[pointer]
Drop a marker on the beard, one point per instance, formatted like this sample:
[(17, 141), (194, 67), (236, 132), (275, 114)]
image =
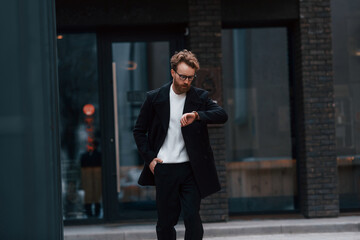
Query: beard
[(181, 88)]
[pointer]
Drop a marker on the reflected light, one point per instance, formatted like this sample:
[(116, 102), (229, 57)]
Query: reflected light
[(351, 158), (60, 37), (346, 160), (89, 109), (129, 65), (357, 53)]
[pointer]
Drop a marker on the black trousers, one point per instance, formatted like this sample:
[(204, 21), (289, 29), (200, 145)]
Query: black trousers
[(176, 190)]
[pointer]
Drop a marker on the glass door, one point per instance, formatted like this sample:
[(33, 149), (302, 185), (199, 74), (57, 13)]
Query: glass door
[(81, 149), (137, 67)]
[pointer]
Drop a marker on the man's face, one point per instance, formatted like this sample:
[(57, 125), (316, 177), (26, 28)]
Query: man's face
[(181, 85)]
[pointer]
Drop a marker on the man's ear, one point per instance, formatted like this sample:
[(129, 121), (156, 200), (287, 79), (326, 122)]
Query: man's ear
[(172, 73)]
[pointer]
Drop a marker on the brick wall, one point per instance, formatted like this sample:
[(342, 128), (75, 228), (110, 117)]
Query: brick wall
[(315, 128), (205, 41)]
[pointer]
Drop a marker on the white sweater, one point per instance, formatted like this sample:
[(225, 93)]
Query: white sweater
[(173, 149)]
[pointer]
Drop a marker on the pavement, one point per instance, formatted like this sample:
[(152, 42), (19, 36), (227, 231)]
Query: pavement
[(304, 236), (345, 227)]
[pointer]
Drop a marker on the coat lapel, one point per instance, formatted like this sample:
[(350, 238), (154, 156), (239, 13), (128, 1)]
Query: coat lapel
[(162, 105), (192, 101)]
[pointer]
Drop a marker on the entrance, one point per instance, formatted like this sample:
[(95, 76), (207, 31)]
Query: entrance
[(103, 82), (131, 67)]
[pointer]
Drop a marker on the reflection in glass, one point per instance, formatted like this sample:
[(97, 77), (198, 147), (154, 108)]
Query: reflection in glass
[(137, 68), (260, 170), (345, 17), (79, 126)]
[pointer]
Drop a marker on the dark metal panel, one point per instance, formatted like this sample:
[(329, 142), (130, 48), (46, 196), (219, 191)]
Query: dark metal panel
[(95, 14), (92, 14), (30, 182), (258, 13), (111, 208)]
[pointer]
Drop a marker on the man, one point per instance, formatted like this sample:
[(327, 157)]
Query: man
[(172, 138)]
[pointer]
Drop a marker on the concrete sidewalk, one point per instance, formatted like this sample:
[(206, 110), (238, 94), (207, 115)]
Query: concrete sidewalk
[(218, 230), (297, 236)]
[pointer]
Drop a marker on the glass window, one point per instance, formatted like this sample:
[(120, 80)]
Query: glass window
[(345, 17), (137, 68), (261, 173), (79, 126)]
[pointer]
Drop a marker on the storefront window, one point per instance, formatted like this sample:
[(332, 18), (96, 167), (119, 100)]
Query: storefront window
[(345, 16), (261, 173), (79, 126)]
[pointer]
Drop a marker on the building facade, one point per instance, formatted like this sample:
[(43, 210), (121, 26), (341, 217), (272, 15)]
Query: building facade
[(285, 71), (74, 75)]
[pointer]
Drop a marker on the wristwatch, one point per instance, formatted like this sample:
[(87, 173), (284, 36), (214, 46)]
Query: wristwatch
[(196, 115)]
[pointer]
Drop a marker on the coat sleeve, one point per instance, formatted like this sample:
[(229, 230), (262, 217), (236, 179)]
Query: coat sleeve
[(141, 130), (214, 114)]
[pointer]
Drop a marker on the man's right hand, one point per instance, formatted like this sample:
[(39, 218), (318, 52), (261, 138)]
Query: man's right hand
[(153, 164)]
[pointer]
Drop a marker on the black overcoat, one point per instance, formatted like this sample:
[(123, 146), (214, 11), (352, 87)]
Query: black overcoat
[(151, 128)]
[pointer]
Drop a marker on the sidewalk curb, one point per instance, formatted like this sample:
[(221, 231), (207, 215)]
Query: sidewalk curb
[(287, 229), (216, 230)]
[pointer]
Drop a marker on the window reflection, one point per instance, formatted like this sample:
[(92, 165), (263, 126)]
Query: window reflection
[(79, 126), (137, 68), (260, 169), (346, 61)]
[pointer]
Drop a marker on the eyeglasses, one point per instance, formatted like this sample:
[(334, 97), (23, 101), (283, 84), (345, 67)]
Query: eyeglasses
[(184, 77)]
